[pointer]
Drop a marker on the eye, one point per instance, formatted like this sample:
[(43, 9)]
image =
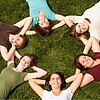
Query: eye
[(79, 26)]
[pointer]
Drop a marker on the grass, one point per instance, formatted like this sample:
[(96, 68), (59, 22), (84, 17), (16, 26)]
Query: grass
[(55, 52)]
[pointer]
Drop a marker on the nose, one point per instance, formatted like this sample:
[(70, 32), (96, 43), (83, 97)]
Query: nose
[(13, 40)]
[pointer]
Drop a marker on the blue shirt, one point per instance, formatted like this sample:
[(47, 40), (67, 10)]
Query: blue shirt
[(35, 6)]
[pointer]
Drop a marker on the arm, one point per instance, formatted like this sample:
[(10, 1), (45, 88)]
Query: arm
[(30, 32), (86, 79), (93, 44), (17, 55), (39, 73), (39, 81), (77, 71), (61, 19), (25, 23), (36, 87), (76, 82), (69, 20), (83, 39), (5, 54)]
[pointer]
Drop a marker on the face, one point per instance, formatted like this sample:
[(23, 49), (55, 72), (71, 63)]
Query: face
[(43, 22), (17, 40), (25, 62), (86, 61), (81, 28), (55, 81)]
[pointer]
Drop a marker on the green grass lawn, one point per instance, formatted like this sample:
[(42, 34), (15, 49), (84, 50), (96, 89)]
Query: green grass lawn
[(55, 52)]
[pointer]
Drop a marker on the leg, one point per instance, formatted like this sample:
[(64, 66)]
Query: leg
[(25, 23), (87, 79)]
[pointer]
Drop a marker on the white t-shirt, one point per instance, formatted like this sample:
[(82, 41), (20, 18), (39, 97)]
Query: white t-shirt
[(65, 95), (93, 14)]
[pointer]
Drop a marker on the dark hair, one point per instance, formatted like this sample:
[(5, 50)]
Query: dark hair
[(62, 79), (32, 57), (73, 33), (24, 43), (77, 63), (43, 31)]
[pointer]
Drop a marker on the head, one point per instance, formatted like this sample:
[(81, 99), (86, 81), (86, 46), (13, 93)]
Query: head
[(44, 31), (58, 77), (18, 40), (83, 61), (77, 30), (28, 60)]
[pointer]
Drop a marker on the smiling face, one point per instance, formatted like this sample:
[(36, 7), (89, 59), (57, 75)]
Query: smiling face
[(25, 62), (86, 61), (17, 40), (81, 28), (43, 22), (55, 81)]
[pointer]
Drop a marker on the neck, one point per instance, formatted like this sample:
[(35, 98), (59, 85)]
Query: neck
[(96, 62), (56, 92)]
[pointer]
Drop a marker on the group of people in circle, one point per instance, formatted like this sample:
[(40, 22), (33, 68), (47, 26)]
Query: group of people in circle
[(41, 17)]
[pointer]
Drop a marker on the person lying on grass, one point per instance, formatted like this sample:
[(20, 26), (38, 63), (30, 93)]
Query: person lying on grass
[(42, 17), (10, 40), (12, 76), (86, 24), (56, 82), (84, 61)]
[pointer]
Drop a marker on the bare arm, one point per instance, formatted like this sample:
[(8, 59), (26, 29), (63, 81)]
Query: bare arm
[(17, 55), (83, 39), (25, 23), (39, 81), (36, 87), (93, 44), (61, 19), (5, 54), (77, 71), (69, 20), (39, 73), (77, 79), (30, 32), (86, 79)]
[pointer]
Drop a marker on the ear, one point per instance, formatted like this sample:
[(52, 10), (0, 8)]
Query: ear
[(49, 82)]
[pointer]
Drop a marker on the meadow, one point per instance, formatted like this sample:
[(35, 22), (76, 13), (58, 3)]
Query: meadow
[(55, 52)]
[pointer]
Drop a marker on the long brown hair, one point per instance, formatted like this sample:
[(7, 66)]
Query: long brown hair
[(73, 33), (44, 31), (77, 63), (32, 57)]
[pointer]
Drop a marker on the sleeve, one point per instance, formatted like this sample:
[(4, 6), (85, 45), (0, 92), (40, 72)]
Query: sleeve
[(96, 55), (78, 19), (68, 93), (45, 93)]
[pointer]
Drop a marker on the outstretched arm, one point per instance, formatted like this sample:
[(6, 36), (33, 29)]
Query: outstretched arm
[(30, 32), (77, 79), (39, 73), (25, 23), (61, 19)]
